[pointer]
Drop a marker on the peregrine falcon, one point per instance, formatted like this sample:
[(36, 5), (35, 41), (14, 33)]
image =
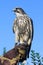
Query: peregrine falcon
[(23, 27)]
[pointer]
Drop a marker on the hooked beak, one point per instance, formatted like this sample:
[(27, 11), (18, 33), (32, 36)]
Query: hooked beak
[(14, 10)]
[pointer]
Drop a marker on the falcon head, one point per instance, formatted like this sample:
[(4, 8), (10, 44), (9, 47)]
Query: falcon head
[(19, 11)]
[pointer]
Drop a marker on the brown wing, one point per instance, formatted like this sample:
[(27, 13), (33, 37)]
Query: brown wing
[(14, 25)]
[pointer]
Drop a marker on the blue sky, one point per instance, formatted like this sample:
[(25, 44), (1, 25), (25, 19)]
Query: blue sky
[(34, 9)]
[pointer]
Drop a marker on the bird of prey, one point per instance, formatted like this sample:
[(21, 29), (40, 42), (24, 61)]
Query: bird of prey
[(23, 27)]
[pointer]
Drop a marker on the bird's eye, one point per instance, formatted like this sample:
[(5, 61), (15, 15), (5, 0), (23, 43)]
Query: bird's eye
[(18, 11)]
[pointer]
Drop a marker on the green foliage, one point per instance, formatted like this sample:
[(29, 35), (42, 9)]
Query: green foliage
[(22, 64), (42, 59), (36, 58), (33, 57), (4, 50)]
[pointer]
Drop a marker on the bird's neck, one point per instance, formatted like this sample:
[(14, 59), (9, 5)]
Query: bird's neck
[(18, 14)]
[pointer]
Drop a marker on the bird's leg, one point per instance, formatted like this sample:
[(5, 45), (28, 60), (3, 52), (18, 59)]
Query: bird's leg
[(21, 39)]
